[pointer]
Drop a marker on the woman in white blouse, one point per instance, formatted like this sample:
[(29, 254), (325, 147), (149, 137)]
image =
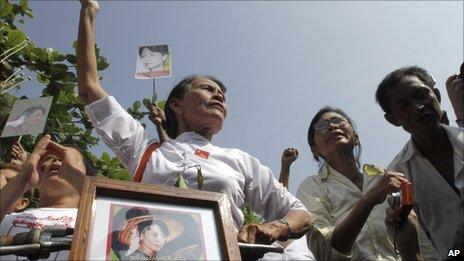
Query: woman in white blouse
[(195, 111), (348, 206)]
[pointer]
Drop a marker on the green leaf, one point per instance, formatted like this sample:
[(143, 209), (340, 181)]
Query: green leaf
[(102, 64), (180, 183), (39, 53), (136, 105), (105, 157), (146, 102), (161, 104), (122, 174), (5, 8), (59, 70), (23, 9), (71, 58), (43, 79), (53, 55), (14, 37), (250, 217), (200, 178)]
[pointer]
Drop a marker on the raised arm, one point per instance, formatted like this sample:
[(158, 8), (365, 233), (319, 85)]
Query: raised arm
[(288, 157), (455, 89), (28, 178), (88, 80), (157, 117)]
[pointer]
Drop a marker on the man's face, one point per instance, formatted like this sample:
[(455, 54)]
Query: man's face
[(54, 184), (414, 106)]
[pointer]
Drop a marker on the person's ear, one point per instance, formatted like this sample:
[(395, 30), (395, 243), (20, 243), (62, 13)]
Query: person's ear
[(391, 119), (21, 204), (437, 93), (356, 139), (175, 105)]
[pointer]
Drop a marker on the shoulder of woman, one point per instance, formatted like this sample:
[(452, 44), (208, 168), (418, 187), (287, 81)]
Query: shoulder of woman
[(312, 181), (233, 152)]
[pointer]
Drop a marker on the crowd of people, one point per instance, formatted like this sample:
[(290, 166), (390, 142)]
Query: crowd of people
[(340, 213)]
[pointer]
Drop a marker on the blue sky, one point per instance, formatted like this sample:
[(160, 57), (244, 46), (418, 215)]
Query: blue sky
[(281, 61)]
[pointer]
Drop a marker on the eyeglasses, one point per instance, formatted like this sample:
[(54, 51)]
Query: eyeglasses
[(324, 124)]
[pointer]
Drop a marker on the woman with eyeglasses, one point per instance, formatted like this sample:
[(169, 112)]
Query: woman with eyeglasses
[(348, 206)]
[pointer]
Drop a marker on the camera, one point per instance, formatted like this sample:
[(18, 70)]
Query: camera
[(401, 201)]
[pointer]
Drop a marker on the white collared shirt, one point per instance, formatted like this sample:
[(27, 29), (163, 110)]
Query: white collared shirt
[(330, 197), (439, 207), (230, 171)]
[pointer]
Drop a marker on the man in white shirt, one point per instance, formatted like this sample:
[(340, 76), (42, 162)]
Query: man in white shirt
[(432, 159), (59, 173)]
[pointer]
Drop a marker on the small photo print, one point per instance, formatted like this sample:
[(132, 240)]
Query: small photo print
[(153, 62), (27, 117), (139, 233)]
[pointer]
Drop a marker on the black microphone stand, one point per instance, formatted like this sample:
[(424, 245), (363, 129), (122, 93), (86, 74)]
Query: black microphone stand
[(39, 243)]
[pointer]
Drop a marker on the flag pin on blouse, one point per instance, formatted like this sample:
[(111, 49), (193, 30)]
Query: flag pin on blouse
[(202, 154)]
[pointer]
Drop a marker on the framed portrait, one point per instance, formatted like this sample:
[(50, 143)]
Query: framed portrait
[(153, 62), (120, 220)]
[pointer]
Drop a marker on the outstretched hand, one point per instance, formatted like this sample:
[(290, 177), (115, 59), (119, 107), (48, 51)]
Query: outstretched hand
[(455, 89), (389, 182), (17, 154), (156, 114), (262, 234), (91, 4)]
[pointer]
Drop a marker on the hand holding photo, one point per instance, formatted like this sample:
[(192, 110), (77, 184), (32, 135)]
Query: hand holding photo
[(27, 117), (153, 62)]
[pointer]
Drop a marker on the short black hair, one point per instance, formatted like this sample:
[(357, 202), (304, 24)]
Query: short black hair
[(32, 109), (357, 149), (29, 194), (163, 49), (136, 212), (171, 125), (394, 78)]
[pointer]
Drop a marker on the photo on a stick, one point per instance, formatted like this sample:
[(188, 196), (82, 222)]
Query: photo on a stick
[(153, 62), (27, 117)]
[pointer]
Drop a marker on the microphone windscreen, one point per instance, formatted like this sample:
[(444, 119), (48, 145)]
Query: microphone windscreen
[(33, 236)]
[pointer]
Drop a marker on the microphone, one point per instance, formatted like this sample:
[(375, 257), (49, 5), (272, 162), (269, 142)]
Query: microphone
[(40, 242)]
